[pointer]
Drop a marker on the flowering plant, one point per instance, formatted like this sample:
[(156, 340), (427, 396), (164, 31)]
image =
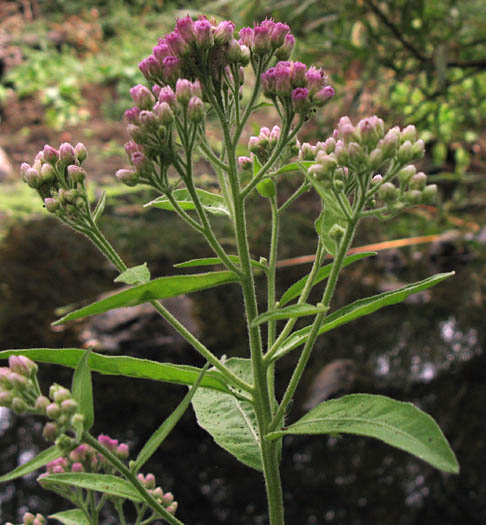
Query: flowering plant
[(196, 76)]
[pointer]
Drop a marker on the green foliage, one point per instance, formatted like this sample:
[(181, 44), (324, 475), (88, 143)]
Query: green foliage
[(44, 457), (399, 424)]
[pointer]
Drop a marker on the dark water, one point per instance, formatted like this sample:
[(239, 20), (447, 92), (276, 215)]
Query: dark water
[(429, 351)]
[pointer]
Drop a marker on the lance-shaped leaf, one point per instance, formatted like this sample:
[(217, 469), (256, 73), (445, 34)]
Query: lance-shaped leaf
[(210, 261), (123, 366), (295, 290), (71, 517), (230, 421), (289, 312), (211, 202), (358, 309), (296, 166), (82, 389), (399, 424), (110, 485), (158, 437), (46, 456), (136, 275), (157, 289), (100, 207)]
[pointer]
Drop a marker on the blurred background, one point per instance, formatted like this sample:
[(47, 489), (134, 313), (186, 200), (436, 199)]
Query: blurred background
[(65, 70)]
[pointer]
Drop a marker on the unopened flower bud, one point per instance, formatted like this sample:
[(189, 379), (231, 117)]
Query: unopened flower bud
[(157, 493), (323, 96), (404, 153), (69, 406), (245, 56), (300, 100), (32, 178), (204, 34), (167, 95), (328, 162), (28, 519), (418, 149), (317, 171), (183, 91), (245, 163), (22, 365), (77, 467), (356, 154), (195, 110), (149, 481), (58, 393), (148, 120), (171, 509), (4, 377), (163, 113), (142, 96), (76, 173), (122, 451), (406, 173), (307, 151), (41, 404), (336, 232), (80, 152), (66, 154), (168, 498), (47, 173), (6, 398), (377, 179), (18, 405), (127, 176), (136, 133), (389, 143), (17, 381), (429, 193), (285, 50), (50, 154), (51, 204), (408, 133), (388, 193), (53, 410), (234, 51), (413, 196), (261, 40), (375, 159), (224, 32), (418, 181)]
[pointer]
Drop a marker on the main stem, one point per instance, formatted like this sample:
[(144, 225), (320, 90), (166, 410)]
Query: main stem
[(261, 394)]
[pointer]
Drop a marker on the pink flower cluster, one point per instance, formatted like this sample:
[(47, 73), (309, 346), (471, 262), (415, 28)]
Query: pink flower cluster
[(164, 498), (268, 37), (191, 48), (305, 87)]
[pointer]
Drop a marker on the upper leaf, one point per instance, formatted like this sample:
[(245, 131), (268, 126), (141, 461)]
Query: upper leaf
[(71, 517), (401, 425), (157, 289), (82, 389), (46, 456), (158, 437), (295, 290), (296, 166), (210, 261), (123, 366), (211, 202), (292, 311), (358, 309), (231, 421), (136, 275)]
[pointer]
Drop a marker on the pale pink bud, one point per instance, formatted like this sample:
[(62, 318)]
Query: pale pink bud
[(22, 365), (195, 110), (300, 100), (127, 176), (224, 32), (323, 96), (80, 152), (50, 154), (76, 173), (47, 173), (77, 467), (53, 410), (142, 96), (66, 153), (204, 34), (50, 431), (245, 163), (51, 204), (285, 50), (183, 91)]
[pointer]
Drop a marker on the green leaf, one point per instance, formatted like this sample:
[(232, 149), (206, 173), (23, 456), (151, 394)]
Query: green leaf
[(401, 425), (295, 166), (82, 389), (360, 308), (211, 202), (136, 275), (230, 421), (50, 454), (110, 485), (292, 311), (331, 214), (295, 290), (210, 261), (157, 289), (256, 165), (158, 437), (123, 366), (71, 517), (100, 207)]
